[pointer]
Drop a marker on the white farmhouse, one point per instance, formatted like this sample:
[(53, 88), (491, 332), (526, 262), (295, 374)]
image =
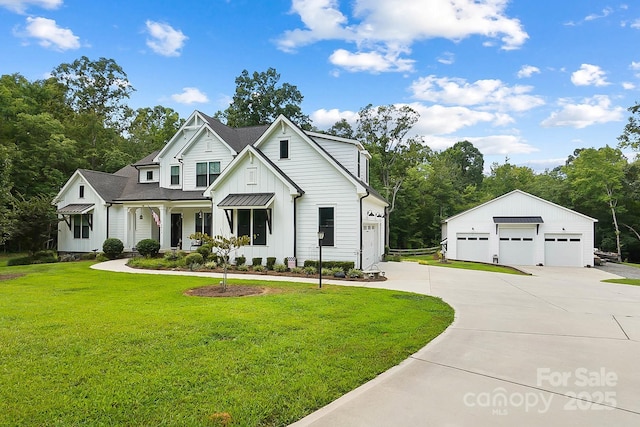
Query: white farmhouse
[(520, 229), (277, 184)]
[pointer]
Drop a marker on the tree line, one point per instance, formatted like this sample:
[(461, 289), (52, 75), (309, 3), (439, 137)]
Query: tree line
[(79, 118)]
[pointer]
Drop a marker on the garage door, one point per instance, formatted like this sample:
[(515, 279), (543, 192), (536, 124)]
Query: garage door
[(473, 247), (563, 250), (516, 246)]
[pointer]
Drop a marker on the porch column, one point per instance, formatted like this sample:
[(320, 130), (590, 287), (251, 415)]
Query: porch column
[(165, 229), (126, 232)]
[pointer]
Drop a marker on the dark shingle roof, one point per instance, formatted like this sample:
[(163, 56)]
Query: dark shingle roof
[(148, 160), (237, 138)]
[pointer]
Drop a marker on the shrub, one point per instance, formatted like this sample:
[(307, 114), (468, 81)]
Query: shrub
[(112, 248), (259, 268), (297, 270), (256, 261), (89, 256), (205, 251), (327, 272), (211, 265), (355, 273), (44, 257), (174, 255), (280, 268), (194, 258), (344, 265), (242, 267), (270, 262), (102, 257), (310, 270), (148, 247), (240, 260), (336, 270), (23, 260)]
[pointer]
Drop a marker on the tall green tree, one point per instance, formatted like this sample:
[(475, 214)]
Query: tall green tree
[(507, 177), (630, 137), (342, 128), (469, 162), (259, 100), (151, 129), (597, 176), (32, 223), (384, 130)]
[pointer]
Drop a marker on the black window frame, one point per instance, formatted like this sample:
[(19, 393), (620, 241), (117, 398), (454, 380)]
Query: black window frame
[(284, 148), (206, 217), (175, 178), (149, 175), (254, 224), (81, 192), (81, 226), (205, 178), (326, 224)]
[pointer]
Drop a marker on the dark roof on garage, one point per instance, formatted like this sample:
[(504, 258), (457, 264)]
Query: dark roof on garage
[(518, 220)]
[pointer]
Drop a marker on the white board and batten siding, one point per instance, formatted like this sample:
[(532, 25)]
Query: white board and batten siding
[(324, 186), (563, 238)]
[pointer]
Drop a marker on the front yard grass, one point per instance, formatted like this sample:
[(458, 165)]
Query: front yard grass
[(466, 265), (634, 282), (86, 347)]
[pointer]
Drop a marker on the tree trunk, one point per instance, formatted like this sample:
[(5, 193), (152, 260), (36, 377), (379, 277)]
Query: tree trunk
[(612, 206)]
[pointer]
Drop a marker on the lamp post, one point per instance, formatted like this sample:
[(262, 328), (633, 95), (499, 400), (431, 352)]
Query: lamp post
[(320, 237)]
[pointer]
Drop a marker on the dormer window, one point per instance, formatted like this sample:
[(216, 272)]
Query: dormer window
[(175, 175), (149, 175)]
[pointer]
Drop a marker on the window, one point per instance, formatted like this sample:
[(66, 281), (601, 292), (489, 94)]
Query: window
[(203, 223), (149, 175), (175, 175), (81, 192), (253, 223), (81, 226), (284, 149), (326, 223), (206, 173)]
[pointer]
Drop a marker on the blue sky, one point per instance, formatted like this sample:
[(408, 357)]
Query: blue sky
[(528, 80)]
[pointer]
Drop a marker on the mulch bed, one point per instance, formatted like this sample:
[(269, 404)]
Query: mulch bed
[(232, 291)]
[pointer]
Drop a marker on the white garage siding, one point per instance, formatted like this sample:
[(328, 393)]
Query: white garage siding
[(563, 250), (473, 247), (517, 246)]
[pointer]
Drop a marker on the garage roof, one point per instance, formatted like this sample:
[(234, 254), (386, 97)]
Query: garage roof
[(518, 220)]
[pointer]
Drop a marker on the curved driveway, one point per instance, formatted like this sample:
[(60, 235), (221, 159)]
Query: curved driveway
[(556, 348)]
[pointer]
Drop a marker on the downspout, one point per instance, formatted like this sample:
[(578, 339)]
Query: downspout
[(361, 198), (295, 226), (108, 206)]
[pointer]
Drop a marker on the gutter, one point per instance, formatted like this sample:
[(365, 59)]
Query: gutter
[(108, 206), (295, 227)]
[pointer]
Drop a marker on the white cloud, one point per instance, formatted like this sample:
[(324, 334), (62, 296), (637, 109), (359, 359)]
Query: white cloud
[(165, 40), (590, 111), (628, 85), (589, 75), (636, 24), (441, 120), (635, 66), (489, 94), (488, 145), (382, 30), (527, 71), (447, 58), (605, 12), (190, 95), (374, 62), (20, 6), (324, 119), (49, 35)]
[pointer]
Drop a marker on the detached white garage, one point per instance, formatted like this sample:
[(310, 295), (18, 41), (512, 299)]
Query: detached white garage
[(520, 229)]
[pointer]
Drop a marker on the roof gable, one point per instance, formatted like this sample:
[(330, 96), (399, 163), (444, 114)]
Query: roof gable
[(523, 193)]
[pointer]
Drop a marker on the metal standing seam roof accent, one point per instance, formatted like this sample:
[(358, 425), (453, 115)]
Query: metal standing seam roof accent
[(76, 209), (518, 220), (246, 200)]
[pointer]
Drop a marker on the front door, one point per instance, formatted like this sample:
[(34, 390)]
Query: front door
[(176, 231)]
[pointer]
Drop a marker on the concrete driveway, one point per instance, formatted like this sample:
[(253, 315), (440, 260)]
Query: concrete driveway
[(556, 348)]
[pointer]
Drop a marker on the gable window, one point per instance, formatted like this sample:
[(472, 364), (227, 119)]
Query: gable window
[(284, 149), (206, 173), (253, 223), (149, 175), (326, 223), (175, 175), (81, 225), (81, 192)]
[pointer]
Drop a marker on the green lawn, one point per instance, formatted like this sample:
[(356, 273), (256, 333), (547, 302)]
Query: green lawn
[(428, 260), (86, 347), (634, 282)]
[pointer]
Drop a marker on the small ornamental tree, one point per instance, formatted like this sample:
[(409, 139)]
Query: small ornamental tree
[(223, 247)]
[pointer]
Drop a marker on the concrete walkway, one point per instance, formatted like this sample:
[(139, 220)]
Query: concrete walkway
[(556, 348)]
